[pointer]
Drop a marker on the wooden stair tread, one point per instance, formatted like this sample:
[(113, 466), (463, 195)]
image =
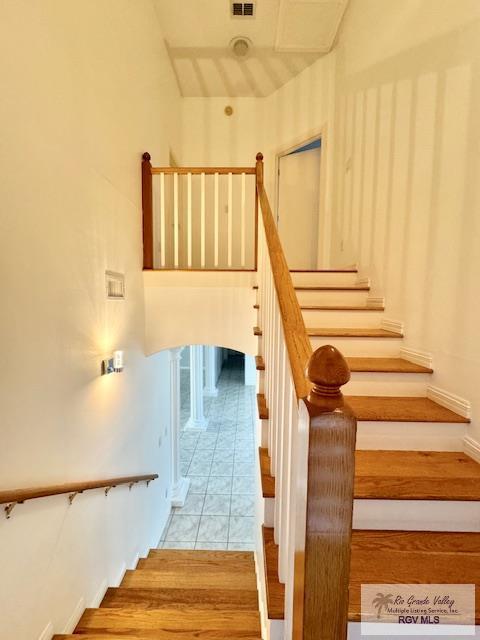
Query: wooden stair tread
[(259, 363), (163, 623), (187, 565), (215, 598), (416, 475), (385, 365), (337, 287), (339, 307), (257, 331), (401, 409), (412, 557), (404, 475), (228, 578), (203, 556), (393, 557), (353, 332), (323, 270), (160, 635), (274, 588), (268, 481), (262, 406)]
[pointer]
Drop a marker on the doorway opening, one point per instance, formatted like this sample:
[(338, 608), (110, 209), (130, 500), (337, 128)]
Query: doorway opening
[(299, 203), (216, 451)]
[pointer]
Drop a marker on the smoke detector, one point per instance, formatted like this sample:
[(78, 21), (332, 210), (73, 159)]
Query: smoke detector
[(240, 46), (242, 9)]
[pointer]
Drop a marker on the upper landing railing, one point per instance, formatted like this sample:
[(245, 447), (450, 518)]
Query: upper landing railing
[(199, 217), (206, 218)]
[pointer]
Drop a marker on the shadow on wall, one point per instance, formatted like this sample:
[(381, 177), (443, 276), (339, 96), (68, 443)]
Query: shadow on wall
[(408, 188)]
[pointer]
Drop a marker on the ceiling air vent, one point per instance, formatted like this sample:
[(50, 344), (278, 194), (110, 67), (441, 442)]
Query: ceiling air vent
[(243, 9), (115, 285)]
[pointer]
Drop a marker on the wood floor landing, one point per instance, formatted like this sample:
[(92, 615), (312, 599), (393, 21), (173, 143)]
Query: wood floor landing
[(401, 409)]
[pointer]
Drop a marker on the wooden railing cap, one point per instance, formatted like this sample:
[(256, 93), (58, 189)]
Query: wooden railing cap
[(327, 370), (146, 157), (259, 156)]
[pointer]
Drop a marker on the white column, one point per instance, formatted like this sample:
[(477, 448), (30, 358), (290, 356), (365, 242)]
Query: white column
[(210, 372), (197, 420), (179, 484)]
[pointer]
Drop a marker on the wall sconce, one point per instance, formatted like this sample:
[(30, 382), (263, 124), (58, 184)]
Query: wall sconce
[(114, 364)]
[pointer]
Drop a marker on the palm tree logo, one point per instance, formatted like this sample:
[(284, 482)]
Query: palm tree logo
[(381, 602)]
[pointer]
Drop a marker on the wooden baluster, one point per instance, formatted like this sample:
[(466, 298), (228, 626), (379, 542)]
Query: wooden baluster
[(322, 571), (147, 206)]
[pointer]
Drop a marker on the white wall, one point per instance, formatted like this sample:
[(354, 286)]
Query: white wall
[(86, 88), (407, 169)]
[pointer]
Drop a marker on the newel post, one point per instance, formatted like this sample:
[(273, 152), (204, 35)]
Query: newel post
[(147, 206), (330, 485)]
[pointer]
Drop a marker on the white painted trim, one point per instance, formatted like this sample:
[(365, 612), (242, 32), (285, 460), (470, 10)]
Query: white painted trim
[(373, 301), (392, 325), (75, 617), (179, 492), (422, 358), (121, 573), (472, 448), (449, 400), (363, 281), (98, 597), (133, 564), (47, 633)]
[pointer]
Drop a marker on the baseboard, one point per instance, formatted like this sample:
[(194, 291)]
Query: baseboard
[(98, 597), (121, 573), (47, 633), (472, 448), (392, 325), (422, 358), (449, 401), (376, 301), (363, 281), (75, 617)]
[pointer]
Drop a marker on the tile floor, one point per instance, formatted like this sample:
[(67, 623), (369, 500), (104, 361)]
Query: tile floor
[(219, 509)]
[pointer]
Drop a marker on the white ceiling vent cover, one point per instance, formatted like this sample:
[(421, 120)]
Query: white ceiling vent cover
[(115, 285), (242, 9)]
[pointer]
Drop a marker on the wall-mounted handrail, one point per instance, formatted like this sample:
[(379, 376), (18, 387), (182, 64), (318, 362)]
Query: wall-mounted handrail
[(11, 497)]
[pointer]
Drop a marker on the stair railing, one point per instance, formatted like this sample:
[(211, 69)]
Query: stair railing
[(311, 442), (199, 218), (11, 497)]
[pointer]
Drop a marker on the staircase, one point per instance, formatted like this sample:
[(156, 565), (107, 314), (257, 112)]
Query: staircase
[(416, 515), (179, 594)]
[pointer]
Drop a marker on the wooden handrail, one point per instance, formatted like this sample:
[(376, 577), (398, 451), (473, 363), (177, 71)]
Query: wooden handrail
[(18, 496), (296, 337), (206, 170), (147, 206)]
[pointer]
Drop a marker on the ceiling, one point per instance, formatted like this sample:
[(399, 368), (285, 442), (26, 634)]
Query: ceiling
[(287, 36)]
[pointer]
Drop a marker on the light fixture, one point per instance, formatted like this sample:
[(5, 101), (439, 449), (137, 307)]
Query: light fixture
[(241, 46), (114, 364)]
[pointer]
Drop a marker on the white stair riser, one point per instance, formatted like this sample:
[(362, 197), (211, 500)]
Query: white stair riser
[(332, 297), (314, 279), (417, 515), (367, 319), (387, 384), (361, 347), (410, 436)]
